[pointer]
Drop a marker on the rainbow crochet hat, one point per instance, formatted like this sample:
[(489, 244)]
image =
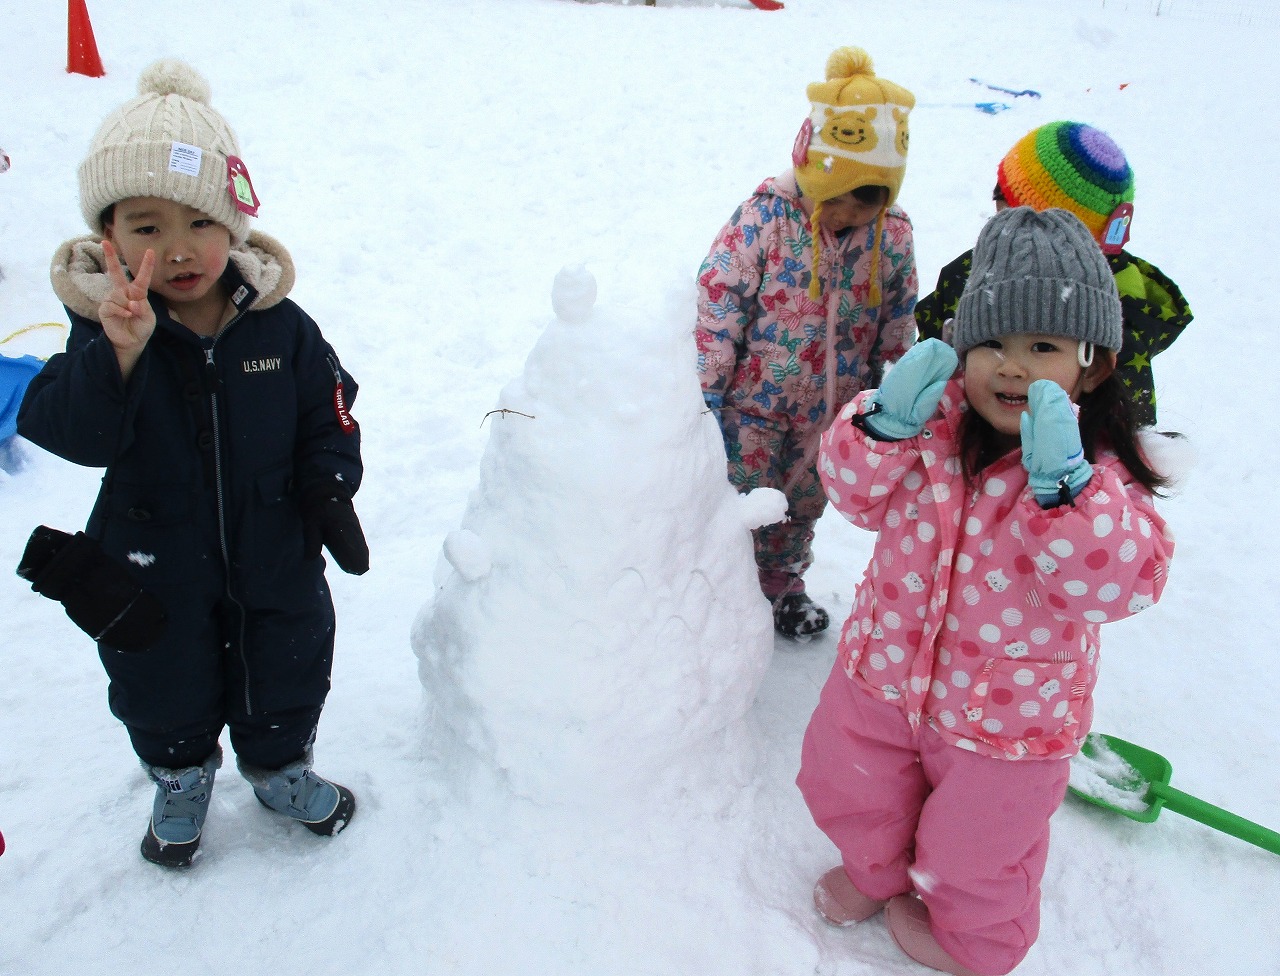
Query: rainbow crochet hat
[(1074, 167)]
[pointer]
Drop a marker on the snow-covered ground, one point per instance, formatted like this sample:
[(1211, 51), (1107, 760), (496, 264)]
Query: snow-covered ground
[(432, 166)]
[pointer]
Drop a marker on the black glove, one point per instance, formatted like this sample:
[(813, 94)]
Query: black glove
[(328, 517), (98, 593)]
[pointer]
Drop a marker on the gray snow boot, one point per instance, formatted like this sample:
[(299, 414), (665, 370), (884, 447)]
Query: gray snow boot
[(322, 807), (177, 816)]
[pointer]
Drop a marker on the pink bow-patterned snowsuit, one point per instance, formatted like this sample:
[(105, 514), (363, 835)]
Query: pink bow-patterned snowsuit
[(775, 355)]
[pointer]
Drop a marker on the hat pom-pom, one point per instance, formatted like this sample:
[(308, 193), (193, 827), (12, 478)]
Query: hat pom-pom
[(849, 61), (173, 77)]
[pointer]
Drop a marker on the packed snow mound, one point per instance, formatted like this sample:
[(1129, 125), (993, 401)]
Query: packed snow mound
[(598, 613)]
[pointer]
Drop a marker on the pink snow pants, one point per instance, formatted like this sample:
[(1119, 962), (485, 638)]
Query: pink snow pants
[(972, 830)]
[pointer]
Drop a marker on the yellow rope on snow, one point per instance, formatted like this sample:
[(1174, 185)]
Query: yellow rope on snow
[(32, 328)]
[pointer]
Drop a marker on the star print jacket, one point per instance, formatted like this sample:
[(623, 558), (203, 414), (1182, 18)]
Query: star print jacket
[(1155, 313), (772, 351), (979, 612)]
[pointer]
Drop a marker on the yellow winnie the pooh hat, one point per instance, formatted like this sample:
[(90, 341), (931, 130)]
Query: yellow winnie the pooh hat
[(856, 135)]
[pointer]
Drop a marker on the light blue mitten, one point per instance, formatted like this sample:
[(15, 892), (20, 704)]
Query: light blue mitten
[(1051, 451), (910, 392)]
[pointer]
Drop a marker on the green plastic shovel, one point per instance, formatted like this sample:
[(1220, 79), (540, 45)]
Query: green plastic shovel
[(1134, 782)]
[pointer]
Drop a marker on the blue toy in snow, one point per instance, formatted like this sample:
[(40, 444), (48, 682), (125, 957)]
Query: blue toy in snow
[(15, 374)]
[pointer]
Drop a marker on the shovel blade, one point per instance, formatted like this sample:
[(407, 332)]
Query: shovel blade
[(1118, 776)]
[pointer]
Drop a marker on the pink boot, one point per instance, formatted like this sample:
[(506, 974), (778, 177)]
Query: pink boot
[(839, 902), (908, 920)]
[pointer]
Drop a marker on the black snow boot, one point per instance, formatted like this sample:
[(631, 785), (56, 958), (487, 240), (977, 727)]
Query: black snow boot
[(795, 615)]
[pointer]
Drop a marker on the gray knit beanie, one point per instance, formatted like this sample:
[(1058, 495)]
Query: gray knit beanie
[(1038, 273), (167, 143)]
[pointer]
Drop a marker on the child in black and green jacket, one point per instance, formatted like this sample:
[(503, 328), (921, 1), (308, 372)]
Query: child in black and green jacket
[(1080, 169)]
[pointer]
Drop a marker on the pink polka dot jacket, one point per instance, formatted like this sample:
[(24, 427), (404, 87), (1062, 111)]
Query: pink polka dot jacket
[(979, 612)]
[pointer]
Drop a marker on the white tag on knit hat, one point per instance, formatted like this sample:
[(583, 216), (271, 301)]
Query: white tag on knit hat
[(185, 159)]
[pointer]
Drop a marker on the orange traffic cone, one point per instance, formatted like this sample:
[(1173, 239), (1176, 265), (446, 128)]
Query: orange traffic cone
[(82, 49)]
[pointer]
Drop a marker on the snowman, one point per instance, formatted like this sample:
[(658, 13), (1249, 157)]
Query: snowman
[(597, 615)]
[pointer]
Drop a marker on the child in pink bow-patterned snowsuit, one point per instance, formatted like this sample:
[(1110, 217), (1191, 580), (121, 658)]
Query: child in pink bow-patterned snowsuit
[(1008, 531), (806, 294)]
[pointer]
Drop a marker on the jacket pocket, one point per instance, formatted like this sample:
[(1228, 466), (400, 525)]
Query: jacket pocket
[(1027, 701), (152, 529), (272, 538)]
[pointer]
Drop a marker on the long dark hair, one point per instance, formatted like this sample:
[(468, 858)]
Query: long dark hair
[(1106, 422)]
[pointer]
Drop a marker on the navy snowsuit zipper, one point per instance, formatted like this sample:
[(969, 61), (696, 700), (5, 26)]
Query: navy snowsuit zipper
[(211, 375)]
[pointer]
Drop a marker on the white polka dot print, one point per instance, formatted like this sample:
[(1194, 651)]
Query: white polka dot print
[(848, 476), (833, 495), (926, 531), (1025, 677), (895, 653), (1011, 616), (1040, 636), (1128, 551), (1103, 526), (996, 487), (1096, 616), (953, 622), (941, 493), (1061, 548), (1076, 587), (893, 518), (987, 547), (992, 725), (877, 661), (973, 526), (964, 563), (1060, 709), (1029, 709), (913, 481), (960, 679), (938, 689), (971, 595), (947, 718), (1109, 592), (892, 620), (989, 633)]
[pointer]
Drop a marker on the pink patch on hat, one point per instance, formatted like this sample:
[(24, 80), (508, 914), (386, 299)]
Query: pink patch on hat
[(800, 151)]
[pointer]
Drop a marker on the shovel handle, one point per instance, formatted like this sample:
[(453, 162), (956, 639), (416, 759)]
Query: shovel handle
[(1216, 817)]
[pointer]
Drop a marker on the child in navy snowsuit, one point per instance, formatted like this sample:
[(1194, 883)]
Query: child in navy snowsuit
[(222, 418)]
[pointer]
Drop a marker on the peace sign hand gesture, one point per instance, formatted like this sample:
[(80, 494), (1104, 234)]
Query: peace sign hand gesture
[(127, 317)]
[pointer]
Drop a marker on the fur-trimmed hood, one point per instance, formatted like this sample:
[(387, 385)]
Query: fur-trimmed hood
[(80, 281)]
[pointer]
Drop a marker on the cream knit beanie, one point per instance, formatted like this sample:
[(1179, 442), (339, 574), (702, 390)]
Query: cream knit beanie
[(171, 144)]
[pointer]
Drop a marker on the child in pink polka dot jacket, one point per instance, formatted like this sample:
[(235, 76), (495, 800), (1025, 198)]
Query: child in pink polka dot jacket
[(1014, 515)]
